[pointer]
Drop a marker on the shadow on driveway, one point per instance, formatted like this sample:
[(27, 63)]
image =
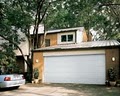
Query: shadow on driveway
[(7, 89)]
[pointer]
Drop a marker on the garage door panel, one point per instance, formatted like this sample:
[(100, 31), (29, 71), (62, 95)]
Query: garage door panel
[(74, 79), (87, 69)]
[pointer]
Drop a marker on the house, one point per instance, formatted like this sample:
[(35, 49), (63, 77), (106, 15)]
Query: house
[(24, 45), (54, 37), (67, 57)]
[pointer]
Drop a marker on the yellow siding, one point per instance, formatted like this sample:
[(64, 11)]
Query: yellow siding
[(38, 56), (85, 38), (109, 63), (52, 37)]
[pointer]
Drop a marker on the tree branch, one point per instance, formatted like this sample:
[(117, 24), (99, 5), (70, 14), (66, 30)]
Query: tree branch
[(17, 47)]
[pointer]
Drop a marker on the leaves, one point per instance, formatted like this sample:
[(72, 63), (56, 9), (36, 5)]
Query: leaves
[(91, 14)]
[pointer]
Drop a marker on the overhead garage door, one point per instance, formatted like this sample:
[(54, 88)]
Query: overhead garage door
[(85, 69)]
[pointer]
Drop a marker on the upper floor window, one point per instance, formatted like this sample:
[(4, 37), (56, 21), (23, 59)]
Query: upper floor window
[(67, 38), (47, 42)]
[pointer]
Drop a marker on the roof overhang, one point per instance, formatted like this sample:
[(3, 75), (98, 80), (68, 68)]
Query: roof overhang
[(82, 46)]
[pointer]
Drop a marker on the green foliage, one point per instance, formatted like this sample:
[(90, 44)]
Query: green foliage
[(36, 73), (15, 16), (7, 59), (88, 13), (112, 74)]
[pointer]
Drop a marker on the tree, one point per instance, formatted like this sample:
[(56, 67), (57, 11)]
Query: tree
[(87, 13), (113, 11), (20, 15), (41, 10), (11, 21)]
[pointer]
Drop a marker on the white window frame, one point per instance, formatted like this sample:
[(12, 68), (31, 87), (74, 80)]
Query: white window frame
[(66, 42)]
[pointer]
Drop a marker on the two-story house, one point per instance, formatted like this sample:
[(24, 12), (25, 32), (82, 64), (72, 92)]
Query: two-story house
[(66, 56)]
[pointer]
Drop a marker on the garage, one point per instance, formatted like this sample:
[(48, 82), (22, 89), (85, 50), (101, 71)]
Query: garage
[(83, 63), (82, 67)]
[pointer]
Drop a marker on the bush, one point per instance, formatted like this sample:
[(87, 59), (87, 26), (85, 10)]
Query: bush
[(36, 73), (112, 74)]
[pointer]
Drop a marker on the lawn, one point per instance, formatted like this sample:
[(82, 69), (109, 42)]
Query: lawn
[(95, 90)]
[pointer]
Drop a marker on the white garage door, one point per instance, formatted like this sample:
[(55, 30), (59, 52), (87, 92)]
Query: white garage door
[(85, 69)]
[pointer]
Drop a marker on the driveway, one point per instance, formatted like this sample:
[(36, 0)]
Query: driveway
[(61, 90)]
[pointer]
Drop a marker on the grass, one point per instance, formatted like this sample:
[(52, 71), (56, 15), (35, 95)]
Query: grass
[(95, 90)]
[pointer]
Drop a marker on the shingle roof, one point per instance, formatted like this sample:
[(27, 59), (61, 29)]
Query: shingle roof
[(83, 45)]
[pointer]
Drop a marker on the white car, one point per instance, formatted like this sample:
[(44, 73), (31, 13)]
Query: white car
[(11, 80)]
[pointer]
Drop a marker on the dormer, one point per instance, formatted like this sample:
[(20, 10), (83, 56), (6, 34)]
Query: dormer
[(72, 35), (62, 36)]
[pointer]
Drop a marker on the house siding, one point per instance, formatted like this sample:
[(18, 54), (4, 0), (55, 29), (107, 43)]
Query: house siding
[(39, 64), (85, 38), (110, 53), (52, 37)]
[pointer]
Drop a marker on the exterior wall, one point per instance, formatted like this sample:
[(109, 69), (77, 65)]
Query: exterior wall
[(73, 52), (55, 37), (109, 53), (112, 53), (24, 45), (85, 38), (79, 36), (52, 37), (38, 62)]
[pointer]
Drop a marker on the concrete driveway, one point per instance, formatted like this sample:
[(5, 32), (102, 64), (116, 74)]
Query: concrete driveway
[(40, 90), (61, 90)]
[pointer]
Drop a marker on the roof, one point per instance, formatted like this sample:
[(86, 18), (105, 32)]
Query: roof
[(82, 45), (66, 29), (41, 30)]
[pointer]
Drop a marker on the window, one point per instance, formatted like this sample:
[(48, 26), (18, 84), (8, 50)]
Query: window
[(70, 37), (47, 42), (67, 38), (63, 38)]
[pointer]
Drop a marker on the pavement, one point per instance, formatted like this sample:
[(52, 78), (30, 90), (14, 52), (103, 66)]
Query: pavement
[(41, 90)]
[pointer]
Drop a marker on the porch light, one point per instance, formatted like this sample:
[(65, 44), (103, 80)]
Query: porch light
[(113, 59), (36, 60)]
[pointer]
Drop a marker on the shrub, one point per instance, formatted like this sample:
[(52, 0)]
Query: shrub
[(112, 74), (36, 73)]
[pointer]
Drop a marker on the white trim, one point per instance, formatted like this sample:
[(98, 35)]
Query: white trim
[(79, 36), (68, 33), (60, 53)]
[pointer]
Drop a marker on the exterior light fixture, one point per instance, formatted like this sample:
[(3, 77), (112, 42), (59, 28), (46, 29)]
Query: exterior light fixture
[(113, 59), (36, 60)]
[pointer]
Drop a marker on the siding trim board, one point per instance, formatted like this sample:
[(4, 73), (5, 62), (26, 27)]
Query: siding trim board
[(66, 53)]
